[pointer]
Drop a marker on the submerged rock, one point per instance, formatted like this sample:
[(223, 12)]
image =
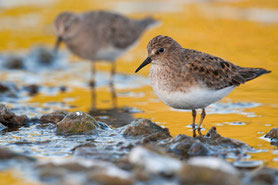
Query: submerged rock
[(14, 62), (77, 122), (147, 128), (32, 89), (53, 117), (43, 55), (10, 119), (8, 89), (209, 171)]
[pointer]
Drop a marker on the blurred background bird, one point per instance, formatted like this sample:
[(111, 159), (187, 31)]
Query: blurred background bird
[(99, 35)]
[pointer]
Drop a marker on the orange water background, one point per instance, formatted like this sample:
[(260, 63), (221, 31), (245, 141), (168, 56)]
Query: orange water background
[(214, 27)]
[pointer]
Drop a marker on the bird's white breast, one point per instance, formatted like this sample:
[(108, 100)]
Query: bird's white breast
[(194, 98)]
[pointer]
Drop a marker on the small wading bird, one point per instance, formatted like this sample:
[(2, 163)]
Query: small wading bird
[(189, 79), (99, 36)]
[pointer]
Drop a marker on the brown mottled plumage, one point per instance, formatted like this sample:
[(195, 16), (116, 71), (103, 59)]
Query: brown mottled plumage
[(189, 79)]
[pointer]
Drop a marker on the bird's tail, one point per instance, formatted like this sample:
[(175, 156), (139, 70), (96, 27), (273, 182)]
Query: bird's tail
[(149, 21), (251, 73)]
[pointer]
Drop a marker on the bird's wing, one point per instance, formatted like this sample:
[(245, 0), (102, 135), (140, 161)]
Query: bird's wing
[(212, 71), (122, 31), (117, 30)]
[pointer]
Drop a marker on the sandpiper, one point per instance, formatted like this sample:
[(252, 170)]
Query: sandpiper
[(190, 79), (99, 35)]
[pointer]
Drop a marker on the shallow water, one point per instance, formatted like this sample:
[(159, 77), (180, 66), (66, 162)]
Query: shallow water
[(243, 32)]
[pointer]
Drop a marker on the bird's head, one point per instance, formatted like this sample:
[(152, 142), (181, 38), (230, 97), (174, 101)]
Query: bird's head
[(160, 48), (66, 25)]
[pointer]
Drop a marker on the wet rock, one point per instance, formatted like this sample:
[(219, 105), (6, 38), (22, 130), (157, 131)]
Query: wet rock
[(153, 162), (77, 122), (14, 62), (186, 146), (8, 89), (263, 176), (209, 171), (43, 55), (272, 134), (212, 144), (53, 117), (32, 89), (10, 119), (181, 145), (63, 88), (6, 154), (4, 88), (147, 128), (214, 138), (198, 149)]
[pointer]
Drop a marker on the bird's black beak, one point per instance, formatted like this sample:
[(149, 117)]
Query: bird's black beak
[(146, 62), (57, 44)]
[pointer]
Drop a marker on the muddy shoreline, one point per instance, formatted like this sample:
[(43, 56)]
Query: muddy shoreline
[(140, 152)]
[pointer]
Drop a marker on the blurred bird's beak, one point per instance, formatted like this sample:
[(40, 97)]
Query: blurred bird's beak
[(57, 44), (146, 62)]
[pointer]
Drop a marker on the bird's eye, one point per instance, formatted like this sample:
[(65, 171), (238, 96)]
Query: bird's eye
[(161, 50)]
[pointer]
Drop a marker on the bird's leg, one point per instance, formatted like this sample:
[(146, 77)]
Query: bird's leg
[(113, 72), (92, 85), (203, 115), (93, 75), (114, 95), (111, 84), (194, 113)]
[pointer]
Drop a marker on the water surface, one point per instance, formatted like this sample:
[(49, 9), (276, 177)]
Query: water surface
[(243, 32)]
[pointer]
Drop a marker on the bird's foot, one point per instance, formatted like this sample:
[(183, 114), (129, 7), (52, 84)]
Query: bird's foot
[(199, 131), (194, 132)]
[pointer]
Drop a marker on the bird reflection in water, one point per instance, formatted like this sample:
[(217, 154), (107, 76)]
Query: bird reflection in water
[(114, 115)]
